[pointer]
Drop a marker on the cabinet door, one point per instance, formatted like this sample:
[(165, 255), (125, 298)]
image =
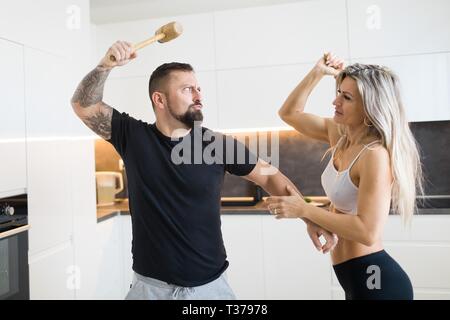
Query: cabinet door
[(53, 274), (401, 27), (195, 45), (244, 245), (250, 98), (294, 269), (424, 82), (12, 115), (127, 257), (49, 194), (279, 35), (49, 25), (49, 113)]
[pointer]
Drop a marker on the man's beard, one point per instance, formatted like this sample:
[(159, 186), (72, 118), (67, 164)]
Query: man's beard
[(189, 117)]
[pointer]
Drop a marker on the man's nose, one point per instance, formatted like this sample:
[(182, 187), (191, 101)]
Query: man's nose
[(197, 95)]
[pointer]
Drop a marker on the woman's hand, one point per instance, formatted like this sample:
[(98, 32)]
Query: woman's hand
[(315, 232), (329, 64), (291, 206)]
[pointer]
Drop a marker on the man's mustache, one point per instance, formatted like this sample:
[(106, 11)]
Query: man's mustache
[(196, 104)]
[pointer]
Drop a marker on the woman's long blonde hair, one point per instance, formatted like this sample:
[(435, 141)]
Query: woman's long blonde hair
[(386, 119)]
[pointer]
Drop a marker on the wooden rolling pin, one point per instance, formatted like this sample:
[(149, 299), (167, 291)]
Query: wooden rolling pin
[(164, 34)]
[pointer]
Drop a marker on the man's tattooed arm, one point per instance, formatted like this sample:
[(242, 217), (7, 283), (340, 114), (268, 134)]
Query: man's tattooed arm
[(88, 105)]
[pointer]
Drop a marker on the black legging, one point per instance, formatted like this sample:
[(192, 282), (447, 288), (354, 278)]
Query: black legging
[(375, 276)]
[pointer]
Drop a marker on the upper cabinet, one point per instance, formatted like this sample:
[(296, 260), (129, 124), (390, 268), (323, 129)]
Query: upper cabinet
[(195, 45), (250, 98), (280, 35), (424, 83), (48, 89), (12, 115), (55, 26), (401, 27)]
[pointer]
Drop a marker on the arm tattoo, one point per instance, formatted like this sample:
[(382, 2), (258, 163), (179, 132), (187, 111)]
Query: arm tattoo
[(97, 115), (99, 121), (90, 90)]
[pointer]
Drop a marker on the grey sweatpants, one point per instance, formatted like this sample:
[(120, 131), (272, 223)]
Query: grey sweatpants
[(145, 288)]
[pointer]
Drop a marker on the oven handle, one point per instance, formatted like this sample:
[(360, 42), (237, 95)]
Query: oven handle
[(14, 231)]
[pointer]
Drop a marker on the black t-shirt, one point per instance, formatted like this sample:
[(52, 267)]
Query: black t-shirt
[(175, 207)]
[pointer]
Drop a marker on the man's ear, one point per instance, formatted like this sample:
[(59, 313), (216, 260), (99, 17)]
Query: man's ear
[(158, 99)]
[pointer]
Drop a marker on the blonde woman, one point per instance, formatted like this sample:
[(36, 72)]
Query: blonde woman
[(374, 164)]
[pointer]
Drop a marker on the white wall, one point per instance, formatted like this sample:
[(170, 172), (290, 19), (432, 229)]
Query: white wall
[(256, 56)]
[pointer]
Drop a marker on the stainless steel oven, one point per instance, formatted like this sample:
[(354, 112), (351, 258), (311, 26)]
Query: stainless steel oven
[(14, 272)]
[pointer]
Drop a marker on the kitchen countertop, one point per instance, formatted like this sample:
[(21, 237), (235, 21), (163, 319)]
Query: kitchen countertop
[(121, 207)]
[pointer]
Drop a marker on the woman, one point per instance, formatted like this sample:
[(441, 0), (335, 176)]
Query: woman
[(374, 163)]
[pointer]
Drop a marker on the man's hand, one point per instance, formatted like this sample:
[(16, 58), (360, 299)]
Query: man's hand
[(314, 232), (122, 51)]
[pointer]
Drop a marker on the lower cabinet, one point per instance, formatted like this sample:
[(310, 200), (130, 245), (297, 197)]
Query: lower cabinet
[(127, 257), (243, 238), (274, 259), (53, 275)]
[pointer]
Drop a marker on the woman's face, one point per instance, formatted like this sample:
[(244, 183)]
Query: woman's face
[(348, 104)]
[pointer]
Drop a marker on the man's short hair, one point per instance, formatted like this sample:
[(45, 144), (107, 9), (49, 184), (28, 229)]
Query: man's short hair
[(160, 74)]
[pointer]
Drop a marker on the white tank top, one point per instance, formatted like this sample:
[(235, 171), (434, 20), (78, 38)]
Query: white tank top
[(338, 185)]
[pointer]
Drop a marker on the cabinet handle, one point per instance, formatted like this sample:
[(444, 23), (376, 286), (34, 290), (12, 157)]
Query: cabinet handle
[(14, 231)]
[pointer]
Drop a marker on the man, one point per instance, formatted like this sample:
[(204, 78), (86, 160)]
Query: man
[(178, 250)]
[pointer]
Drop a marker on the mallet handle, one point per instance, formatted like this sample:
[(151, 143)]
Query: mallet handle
[(144, 43)]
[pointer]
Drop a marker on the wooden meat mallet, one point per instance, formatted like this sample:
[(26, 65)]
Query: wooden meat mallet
[(164, 34)]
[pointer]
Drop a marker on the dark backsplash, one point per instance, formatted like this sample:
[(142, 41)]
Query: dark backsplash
[(434, 143), (301, 161)]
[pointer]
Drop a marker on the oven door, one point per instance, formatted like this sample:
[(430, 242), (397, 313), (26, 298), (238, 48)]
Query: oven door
[(14, 277)]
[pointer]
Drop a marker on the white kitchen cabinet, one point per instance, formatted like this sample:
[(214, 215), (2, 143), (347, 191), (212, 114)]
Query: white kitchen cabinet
[(12, 115), (250, 98), (422, 250), (127, 257), (243, 239), (279, 35), (194, 46), (389, 28), (424, 82), (49, 194), (53, 26), (294, 269), (273, 259), (53, 275), (47, 96)]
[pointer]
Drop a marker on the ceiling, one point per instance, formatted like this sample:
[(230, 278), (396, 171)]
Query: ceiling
[(113, 11)]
